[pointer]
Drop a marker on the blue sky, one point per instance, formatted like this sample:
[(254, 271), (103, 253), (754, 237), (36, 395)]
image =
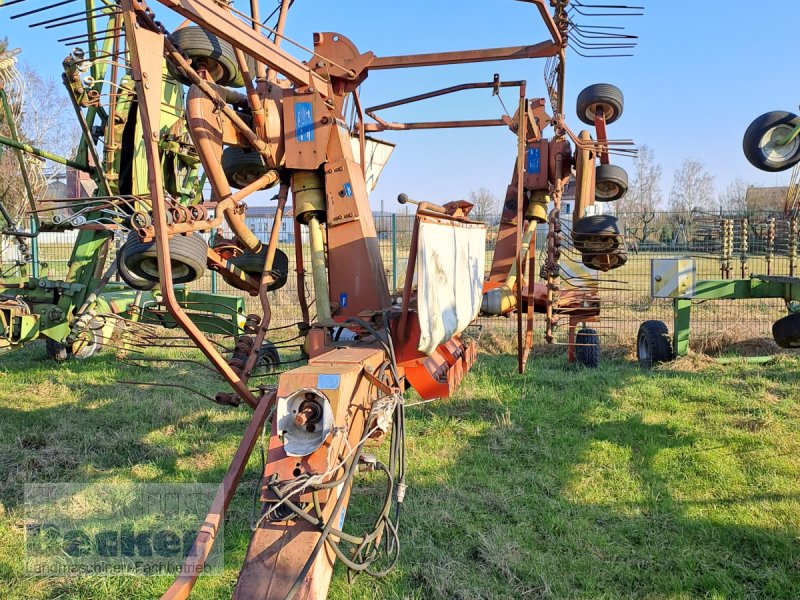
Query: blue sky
[(702, 72)]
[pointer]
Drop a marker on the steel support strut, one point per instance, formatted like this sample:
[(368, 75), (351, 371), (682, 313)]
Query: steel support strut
[(146, 55)]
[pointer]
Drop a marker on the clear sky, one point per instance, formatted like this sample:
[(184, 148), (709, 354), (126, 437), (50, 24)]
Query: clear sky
[(702, 72)]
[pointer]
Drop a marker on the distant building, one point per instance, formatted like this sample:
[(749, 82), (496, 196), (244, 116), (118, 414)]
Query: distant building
[(260, 218), (771, 199), (568, 202), (568, 199)]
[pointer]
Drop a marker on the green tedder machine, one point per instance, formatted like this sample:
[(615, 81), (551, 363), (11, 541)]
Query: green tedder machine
[(81, 312), (772, 144)]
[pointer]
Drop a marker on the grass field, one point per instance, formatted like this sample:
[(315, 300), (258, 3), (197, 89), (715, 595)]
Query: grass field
[(565, 483)]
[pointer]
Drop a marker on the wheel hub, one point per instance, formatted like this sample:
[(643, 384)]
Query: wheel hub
[(606, 189), (771, 147), (608, 111)]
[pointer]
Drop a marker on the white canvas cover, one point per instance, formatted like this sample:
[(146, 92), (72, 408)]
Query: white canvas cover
[(449, 273), (377, 153)]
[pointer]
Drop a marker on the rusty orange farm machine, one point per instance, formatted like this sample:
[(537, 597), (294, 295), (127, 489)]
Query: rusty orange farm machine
[(365, 345)]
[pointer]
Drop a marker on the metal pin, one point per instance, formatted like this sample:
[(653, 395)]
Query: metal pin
[(75, 14), (79, 20), (92, 39), (11, 3), (41, 9)]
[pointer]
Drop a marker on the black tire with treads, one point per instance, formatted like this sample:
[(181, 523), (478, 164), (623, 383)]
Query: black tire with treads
[(786, 331), (56, 350), (241, 168), (587, 348), (758, 143), (188, 258), (609, 96), (130, 278), (653, 345), (199, 44), (611, 183), (587, 231), (253, 264)]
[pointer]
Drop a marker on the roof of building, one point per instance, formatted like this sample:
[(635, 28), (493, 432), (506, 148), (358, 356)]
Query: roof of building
[(255, 212), (766, 198)]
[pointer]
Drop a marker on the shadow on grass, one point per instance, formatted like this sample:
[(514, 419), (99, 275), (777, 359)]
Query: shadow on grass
[(73, 422), (564, 483)]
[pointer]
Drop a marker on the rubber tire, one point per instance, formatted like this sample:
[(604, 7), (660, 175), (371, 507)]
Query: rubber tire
[(268, 356), (756, 132), (197, 43), (587, 228), (616, 260), (56, 351), (597, 224), (587, 350), (241, 168), (610, 175), (253, 264), (786, 331), (600, 93), (188, 251), (653, 345), (131, 280), (95, 329)]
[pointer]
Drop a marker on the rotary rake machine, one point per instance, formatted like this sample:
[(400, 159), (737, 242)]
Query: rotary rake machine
[(544, 169), (579, 250), (365, 345)]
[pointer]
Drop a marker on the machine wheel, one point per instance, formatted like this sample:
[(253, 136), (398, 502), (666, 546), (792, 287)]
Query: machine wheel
[(90, 340), (653, 345), (216, 54), (252, 264), (596, 234), (761, 142), (601, 95), (132, 280), (188, 258), (56, 351), (587, 349), (241, 168), (606, 262), (786, 331), (268, 357), (611, 183)]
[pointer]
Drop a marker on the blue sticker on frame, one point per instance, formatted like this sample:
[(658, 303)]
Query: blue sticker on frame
[(534, 161), (328, 382), (343, 300), (348, 189), (304, 121)]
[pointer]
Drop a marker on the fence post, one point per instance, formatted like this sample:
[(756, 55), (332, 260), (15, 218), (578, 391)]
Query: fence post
[(212, 233), (34, 248), (394, 252)]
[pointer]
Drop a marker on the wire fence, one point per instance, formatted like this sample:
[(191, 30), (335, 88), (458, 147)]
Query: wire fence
[(722, 246)]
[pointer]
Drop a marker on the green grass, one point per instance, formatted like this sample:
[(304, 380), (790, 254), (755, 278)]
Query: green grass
[(564, 483)]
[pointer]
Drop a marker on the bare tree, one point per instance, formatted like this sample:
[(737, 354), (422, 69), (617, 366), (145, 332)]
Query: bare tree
[(644, 196), (692, 193), (486, 204), (734, 198), (45, 121), (692, 188)]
